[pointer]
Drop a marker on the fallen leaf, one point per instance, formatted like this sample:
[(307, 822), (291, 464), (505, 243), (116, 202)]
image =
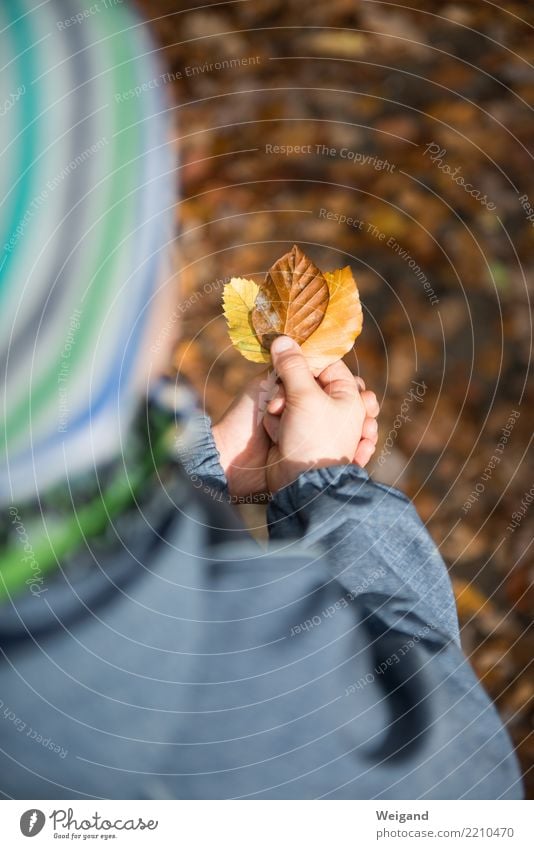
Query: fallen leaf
[(333, 335), (341, 325), (336, 43), (291, 301), (238, 302)]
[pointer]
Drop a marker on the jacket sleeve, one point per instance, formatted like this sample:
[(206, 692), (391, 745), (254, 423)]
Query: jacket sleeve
[(199, 456), (376, 545)]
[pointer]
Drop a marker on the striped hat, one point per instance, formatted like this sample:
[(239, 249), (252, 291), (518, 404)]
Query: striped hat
[(86, 194)]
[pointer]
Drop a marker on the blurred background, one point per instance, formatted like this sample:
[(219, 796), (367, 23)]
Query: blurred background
[(398, 140)]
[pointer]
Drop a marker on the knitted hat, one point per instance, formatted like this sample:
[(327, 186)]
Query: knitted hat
[(86, 195)]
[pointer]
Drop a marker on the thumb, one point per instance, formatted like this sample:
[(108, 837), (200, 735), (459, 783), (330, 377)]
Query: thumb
[(291, 366)]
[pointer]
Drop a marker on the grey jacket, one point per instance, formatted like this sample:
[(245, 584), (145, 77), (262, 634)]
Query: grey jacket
[(179, 659)]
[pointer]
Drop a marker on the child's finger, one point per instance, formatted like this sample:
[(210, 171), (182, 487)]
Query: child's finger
[(276, 405), (370, 429), (338, 381), (339, 371), (333, 373), (364, 452), (271, 424), (372, 407), (292, 368)]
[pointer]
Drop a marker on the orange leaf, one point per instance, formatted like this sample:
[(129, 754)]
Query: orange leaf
[(341, 325), (291, 301)]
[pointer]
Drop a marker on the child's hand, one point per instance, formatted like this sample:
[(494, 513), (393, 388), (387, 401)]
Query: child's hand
[(315, 423), (243, 443), (250, 460)]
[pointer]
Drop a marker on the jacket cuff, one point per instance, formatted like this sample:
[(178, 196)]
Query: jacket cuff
[(290, 510), (198, 454), (375, 543)]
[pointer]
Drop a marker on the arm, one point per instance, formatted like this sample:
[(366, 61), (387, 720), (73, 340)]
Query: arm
[(309, 451), (375, 542)]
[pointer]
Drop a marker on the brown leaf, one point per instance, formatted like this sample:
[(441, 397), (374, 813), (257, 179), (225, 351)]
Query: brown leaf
[(291, 301)]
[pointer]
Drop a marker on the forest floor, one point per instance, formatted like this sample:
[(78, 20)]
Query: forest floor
[(291, 116)]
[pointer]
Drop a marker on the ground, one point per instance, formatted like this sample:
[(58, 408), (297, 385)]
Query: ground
[(398, 140)]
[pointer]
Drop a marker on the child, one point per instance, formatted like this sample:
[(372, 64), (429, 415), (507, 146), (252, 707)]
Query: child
[(150, 648)]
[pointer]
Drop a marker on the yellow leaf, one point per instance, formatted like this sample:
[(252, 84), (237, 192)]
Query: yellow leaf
[(341, 325), (238, 302)]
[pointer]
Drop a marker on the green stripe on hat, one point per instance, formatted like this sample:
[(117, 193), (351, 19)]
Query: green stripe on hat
[(106, 233)]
